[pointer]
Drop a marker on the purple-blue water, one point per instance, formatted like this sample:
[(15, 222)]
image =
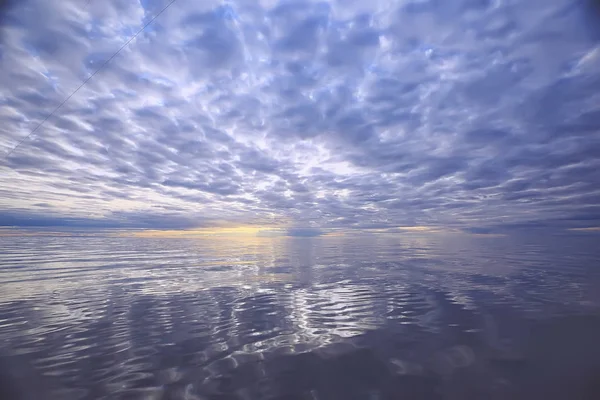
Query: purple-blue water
[(407, 316)]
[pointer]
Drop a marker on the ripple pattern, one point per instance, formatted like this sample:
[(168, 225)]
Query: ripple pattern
[(316, 318)]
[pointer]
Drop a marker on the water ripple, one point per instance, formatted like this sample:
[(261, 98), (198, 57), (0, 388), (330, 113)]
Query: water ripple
[(110, 317)]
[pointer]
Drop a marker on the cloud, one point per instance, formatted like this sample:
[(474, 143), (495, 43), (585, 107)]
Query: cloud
[(592, 229), (472, 115), (303, 232), (146, 220)]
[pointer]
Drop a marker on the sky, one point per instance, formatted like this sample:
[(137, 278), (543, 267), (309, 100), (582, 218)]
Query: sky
[(481, 116)]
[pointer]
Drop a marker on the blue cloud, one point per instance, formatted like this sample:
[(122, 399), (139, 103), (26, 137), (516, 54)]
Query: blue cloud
[(474, 115)]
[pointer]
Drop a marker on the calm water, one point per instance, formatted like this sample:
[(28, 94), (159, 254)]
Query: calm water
[(386, 317)]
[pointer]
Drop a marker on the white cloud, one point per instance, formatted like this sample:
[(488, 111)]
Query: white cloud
[(460, 114)]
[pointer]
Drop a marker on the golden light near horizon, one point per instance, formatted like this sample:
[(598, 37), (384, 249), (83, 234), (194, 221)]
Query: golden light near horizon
[(262, 231), (243, 231)]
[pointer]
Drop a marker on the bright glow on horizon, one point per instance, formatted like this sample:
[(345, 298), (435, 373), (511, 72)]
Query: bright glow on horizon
[(251, 231)]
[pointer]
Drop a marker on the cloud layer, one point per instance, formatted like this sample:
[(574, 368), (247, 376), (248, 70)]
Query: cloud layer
[(473, 114)]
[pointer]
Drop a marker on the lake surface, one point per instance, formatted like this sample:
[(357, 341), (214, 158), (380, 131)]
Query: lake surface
[(409, 316)]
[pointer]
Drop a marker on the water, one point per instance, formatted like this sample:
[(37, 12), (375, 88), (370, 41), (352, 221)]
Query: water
[(410, 316)]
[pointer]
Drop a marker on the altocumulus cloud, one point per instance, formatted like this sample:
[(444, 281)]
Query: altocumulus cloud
[(479, 115)]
